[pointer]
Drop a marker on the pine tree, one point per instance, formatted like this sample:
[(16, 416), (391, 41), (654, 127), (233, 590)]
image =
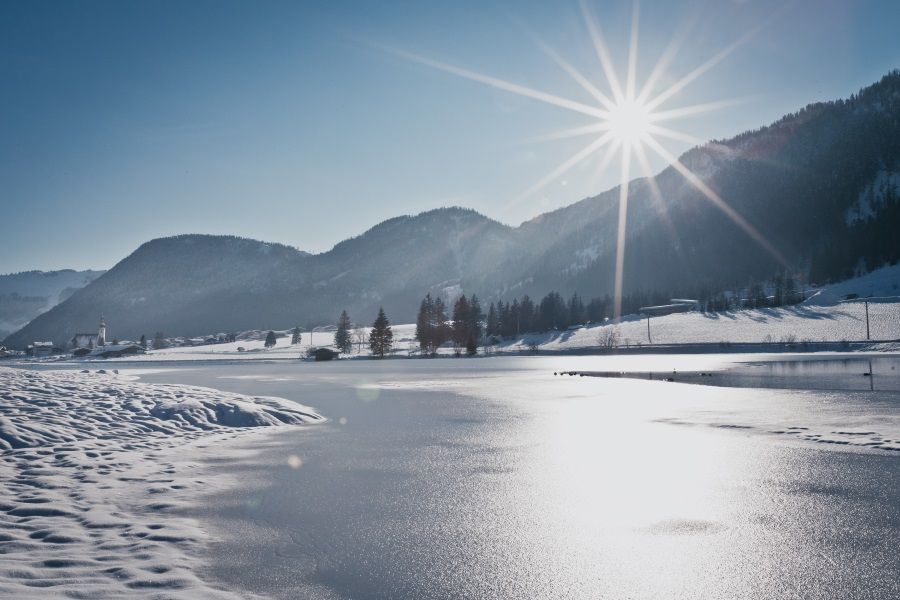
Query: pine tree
[(342, 335), (461, 321), (295, 336), (425, 324), (552, 312), (526, 314), (507, 322), (381, 338), (143, 341), (474, 325), (270, 339), (576, 310), (442, 332), (493, 323)]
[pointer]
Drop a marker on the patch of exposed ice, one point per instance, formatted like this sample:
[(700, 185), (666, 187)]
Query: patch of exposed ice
[(93, 470)]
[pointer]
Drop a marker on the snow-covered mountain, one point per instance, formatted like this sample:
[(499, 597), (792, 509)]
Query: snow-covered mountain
[(819, 184), (194, 284), (23, 296)]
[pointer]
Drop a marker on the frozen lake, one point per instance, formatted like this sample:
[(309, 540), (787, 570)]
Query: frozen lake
[(493, 478)]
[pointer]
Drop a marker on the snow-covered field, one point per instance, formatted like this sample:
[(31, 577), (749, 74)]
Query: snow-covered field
[(254, 349), (93, 471), (843, 322), (821, 318), (805, 322)]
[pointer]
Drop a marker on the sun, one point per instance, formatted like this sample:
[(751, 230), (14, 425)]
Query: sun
[(629, 122), (625, 123)]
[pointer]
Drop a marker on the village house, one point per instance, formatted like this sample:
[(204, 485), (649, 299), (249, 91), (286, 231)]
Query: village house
[(42, 349)]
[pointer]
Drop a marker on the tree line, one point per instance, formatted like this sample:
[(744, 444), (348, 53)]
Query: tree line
[(468, 325)]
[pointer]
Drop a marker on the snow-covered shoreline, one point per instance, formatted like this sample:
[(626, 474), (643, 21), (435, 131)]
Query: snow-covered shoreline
[(93, 470)]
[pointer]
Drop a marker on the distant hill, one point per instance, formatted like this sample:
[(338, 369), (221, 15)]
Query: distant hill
[(23, 296), (820, 184), (188, 282), (194, 284)]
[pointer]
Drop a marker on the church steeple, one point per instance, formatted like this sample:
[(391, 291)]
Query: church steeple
[(101, 335)]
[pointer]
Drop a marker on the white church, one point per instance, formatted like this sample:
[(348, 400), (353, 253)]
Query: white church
[(93, 345), (91, 340)]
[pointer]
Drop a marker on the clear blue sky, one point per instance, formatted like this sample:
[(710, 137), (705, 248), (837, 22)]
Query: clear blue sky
[(284, 121)]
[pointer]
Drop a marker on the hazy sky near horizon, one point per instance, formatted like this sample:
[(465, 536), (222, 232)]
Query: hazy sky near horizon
[(289, 122)]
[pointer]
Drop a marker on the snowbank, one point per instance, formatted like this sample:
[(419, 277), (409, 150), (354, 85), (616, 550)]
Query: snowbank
[(879, 283), (92, 470)]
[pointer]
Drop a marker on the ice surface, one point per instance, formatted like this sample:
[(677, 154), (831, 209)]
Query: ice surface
[(93, 470), (496, 479)]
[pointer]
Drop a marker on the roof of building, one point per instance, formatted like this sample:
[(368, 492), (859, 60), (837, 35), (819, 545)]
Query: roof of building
[(666, 308), (115, 347)]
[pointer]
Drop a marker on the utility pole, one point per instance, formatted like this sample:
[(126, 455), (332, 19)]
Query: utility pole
[(867, 320), (649, 341), (895, 300)]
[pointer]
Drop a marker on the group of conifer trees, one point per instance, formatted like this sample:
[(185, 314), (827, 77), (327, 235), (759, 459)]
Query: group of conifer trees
[(784, 287), (468, 325), (465, 329), (381, 338), (507, 319)]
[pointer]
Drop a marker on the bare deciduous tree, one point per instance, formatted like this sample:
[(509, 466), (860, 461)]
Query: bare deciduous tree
[(609, 337)]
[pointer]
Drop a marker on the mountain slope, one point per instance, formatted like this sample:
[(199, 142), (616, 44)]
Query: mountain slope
[(821, 185), (168, 284), (23, 296), (195, 284)]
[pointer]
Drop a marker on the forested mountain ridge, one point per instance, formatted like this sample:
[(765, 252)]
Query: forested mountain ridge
[(819, 184), (796, 181)]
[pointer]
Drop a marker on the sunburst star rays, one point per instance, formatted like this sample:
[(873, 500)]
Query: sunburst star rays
[(625, 121)]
